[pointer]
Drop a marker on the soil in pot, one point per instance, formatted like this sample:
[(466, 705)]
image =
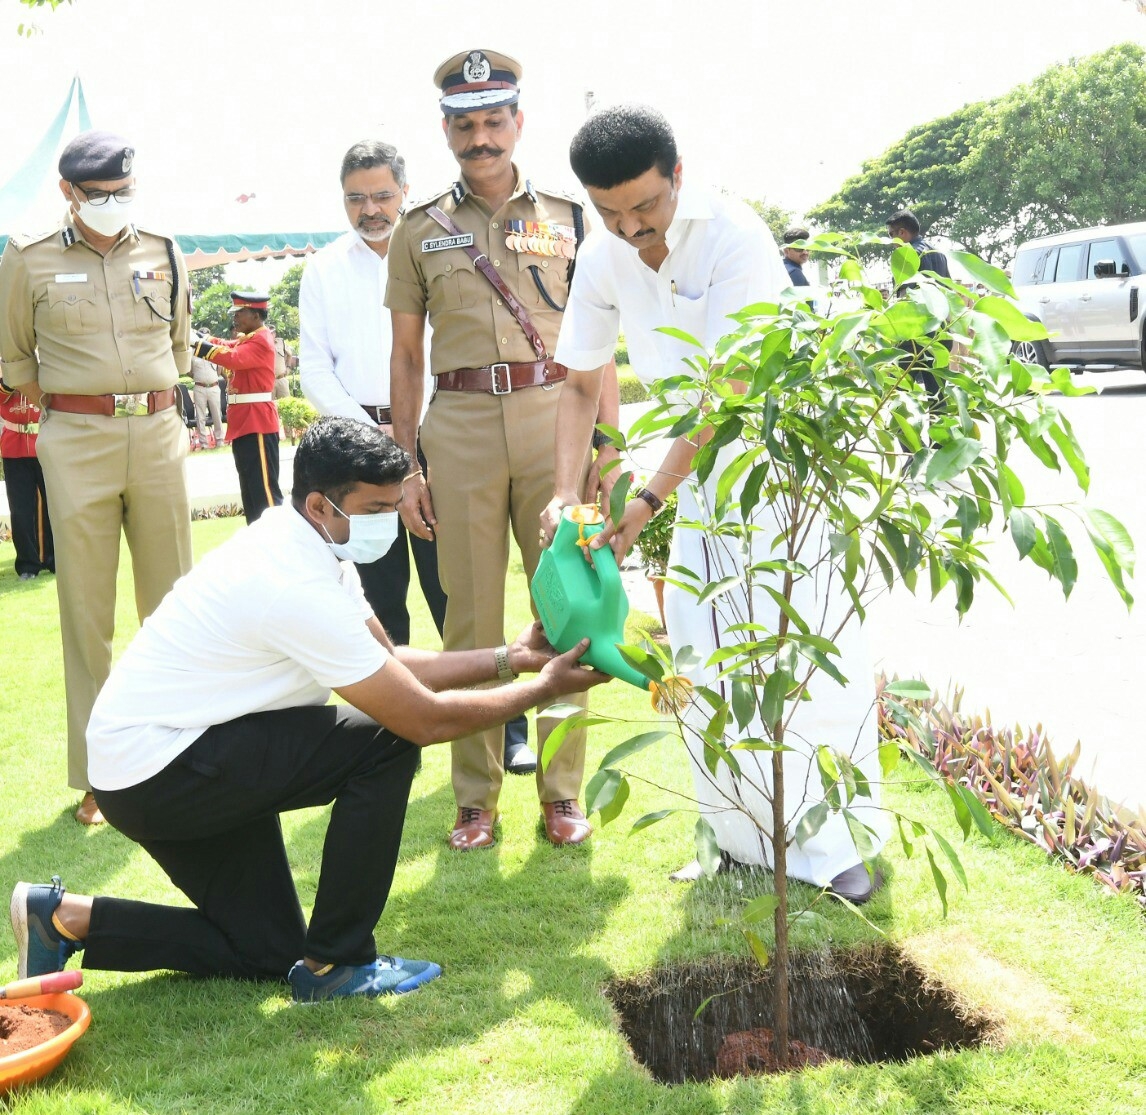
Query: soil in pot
[(23, 1027)]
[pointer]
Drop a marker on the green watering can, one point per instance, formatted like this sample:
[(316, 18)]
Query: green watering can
[(575, 599)]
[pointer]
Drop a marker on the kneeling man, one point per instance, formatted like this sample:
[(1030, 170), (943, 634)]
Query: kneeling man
[(216, 720)]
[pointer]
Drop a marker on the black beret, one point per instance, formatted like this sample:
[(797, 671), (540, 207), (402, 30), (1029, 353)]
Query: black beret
[(96, 157)]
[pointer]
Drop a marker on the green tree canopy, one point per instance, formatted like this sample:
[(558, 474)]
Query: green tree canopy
[(206, 277), (1064, 151), (211, 310), (283, 314), (778, 220)]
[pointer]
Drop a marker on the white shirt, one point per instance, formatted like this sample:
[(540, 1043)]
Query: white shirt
[(345, 335), (722, 257), (269, 620)]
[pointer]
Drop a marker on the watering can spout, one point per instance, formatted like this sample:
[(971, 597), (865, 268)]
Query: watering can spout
[(576, 599)]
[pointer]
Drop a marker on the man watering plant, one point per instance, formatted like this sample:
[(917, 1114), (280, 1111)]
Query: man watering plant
[(688, 257)]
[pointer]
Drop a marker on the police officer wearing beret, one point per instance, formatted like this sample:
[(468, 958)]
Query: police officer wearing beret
[(489, 262), (95, 318), (248, 362)]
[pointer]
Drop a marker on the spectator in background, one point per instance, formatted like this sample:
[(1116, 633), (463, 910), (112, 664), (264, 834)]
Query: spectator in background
[(112, 441), (206, 394), (903, 225), (24, 484), (283, 358), (253, 418), (795, 258)]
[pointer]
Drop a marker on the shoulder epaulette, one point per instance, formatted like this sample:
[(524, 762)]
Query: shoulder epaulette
[(430, 199), (564, 195), (22, 240)]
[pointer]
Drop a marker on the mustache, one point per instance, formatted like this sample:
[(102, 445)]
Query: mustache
[(375, 217), (478, 152)]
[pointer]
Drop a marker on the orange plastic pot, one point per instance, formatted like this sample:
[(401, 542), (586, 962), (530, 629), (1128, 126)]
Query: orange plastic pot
[(31, 1064)]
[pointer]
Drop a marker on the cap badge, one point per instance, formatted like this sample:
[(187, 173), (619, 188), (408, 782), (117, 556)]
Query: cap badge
[(128, 159), (476, 67)]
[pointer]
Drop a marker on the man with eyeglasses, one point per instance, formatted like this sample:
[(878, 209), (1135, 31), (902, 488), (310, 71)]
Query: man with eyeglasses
[(94, 326), (795, 258)]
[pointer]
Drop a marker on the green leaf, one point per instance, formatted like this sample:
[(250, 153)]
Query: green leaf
[(1023, 531), (619, 495), (940, 881), (1019, 327), (867, 847), (772, 701), (904, 265), (990, 276), (650, 819), (911, 690), (905, 321), (707, 849), (952, 857), (632, 746), (760, 908), (757, 947), (888, 757), (612, 810), (1065, 569), (743, 702), (1070, 452), (952, 459), (601, 790), (1107, 527), (718, 588), (811, 822), (978, 811), (681, 335)]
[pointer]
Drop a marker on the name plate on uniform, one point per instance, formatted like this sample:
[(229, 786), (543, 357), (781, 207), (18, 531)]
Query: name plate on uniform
[(78, 277), (466, 240)]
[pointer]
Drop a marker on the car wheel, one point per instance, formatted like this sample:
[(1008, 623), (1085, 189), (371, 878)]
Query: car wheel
[(1030, 352)]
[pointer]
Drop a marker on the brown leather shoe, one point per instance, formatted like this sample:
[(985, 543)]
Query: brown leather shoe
[(473, 829), (88, 813), (564, 822)]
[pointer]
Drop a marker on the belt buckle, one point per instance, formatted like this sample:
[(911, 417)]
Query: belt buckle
[(493, 371), (130, 406)]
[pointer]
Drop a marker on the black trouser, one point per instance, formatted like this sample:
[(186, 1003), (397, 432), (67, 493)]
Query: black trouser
[(28, 504), (257, 463), (386, 584), (210, 819)]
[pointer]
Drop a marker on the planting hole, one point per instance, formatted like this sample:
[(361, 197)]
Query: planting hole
[(861, 1005)]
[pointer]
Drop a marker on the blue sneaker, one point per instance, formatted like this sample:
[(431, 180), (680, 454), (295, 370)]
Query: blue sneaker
[(41, 946), (388, 975)]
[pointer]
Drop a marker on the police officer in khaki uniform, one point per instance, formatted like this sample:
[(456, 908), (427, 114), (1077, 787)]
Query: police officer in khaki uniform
[(95, 318), (488, 435)]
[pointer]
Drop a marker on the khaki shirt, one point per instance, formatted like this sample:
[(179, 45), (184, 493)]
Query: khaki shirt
[(471, 327), (78, 323)]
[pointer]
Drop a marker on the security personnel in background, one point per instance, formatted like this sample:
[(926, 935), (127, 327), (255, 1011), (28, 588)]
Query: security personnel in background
[(489, 262), (795, 258), (248, 362), (95, 318), (24, 485)]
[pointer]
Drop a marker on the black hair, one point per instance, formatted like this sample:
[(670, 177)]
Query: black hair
[(335, 454), (904, 218), (621, 143), (794, 234), (369, 153)]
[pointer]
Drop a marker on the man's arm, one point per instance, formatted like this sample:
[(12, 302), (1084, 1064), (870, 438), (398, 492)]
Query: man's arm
[(576, 413), (407, 369), (319, 381), (181, 318), (18, 363)]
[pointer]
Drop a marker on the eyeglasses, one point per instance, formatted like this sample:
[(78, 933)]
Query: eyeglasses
[(99, 197), (379, 199)]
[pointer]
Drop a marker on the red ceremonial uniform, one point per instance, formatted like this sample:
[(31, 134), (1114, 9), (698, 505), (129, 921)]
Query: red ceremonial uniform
[(21, 420), (250, 363)]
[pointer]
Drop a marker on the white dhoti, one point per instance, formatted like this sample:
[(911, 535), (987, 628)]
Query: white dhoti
[(838, 716)]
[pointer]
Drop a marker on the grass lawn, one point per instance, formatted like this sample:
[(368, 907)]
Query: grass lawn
[(529, 935)]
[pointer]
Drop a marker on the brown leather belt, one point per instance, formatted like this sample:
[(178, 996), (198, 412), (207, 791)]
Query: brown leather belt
[(501, 379), (381, 415), (114, 406)]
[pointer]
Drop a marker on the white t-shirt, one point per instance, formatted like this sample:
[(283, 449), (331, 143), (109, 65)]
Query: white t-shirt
[(269, 620), (345, 332), (722, 257)]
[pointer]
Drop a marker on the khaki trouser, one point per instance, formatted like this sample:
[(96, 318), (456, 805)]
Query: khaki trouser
[(104, 475), (491, 469)]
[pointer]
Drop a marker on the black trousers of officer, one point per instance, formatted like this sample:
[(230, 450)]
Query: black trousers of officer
[(210, 819), (257, 463), (28, 505)]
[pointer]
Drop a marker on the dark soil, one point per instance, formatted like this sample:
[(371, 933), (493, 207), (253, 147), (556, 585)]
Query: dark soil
[(860, 1005), (23, 1027)]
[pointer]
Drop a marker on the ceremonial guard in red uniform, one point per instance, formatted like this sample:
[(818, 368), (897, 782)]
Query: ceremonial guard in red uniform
[(24, 482), (248, 362)]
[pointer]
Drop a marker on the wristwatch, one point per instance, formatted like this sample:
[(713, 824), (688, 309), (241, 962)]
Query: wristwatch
[(501, 658), (600, 439), (655, 502)]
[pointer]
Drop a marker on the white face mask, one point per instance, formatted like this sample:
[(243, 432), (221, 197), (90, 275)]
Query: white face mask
[(371, 536), (109, 219)]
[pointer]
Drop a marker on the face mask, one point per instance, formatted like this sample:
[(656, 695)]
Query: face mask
[(109, 219), (371, 536)]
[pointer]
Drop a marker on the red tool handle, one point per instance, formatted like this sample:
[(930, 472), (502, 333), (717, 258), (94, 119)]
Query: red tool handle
[(43, 985)]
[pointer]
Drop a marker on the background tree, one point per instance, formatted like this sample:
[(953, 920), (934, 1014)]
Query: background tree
[(206, 277), (283, 314), (923, 172), (778, 220), (1066, 151), (211, 310)]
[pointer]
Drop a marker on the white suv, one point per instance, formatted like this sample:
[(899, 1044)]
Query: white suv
[(1088, 287)]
